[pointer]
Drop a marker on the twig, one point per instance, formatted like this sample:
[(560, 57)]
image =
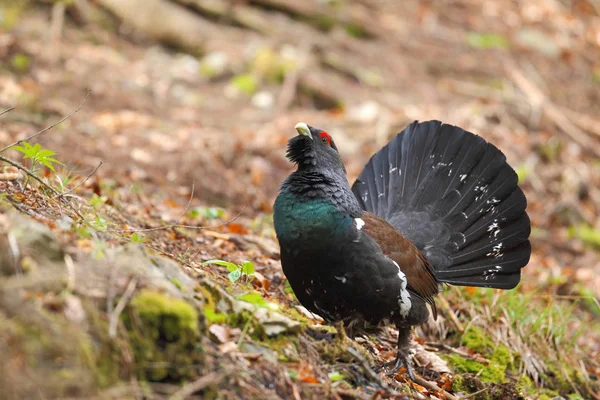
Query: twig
[(475, 393), (6, 111), (446, 306), (34, 176), (171, 226), (18, 142), (15, 252), (475, 357), (114, 316), (435, 388), (70, 272), (368, 370), (82, 182), (214, 378)]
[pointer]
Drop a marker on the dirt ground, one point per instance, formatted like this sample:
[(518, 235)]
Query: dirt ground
[(170, 121)]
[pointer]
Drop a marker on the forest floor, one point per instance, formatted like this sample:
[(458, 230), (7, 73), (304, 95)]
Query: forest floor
[(104, 289)]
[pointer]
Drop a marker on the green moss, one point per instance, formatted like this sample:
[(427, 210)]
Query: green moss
[(477, 340), (355, 30), (557, 380), (500, 357), (164, 334), (20, 62), (462, 385), (493, 372), (177, 283), (285, 346)]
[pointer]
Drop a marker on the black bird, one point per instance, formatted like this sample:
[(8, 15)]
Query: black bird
[(435, 205)]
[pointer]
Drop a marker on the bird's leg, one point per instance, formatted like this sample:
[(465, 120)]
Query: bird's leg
[(402, 355)]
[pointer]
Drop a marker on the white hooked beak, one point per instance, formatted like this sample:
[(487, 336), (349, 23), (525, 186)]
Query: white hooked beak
[(303, 130)]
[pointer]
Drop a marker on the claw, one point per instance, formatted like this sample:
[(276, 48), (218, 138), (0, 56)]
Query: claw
[(400, 361)]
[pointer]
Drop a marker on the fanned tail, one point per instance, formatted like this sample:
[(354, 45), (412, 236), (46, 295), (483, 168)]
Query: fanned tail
[(456, 198)]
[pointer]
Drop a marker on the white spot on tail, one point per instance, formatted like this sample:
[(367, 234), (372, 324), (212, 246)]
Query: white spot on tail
[(340, 278), (404, 297), (359, 223), (496, 251)]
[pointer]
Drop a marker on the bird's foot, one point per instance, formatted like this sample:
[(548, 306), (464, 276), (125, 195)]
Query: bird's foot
[(400, 361)]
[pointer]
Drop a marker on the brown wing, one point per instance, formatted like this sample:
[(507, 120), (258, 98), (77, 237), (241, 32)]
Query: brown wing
[(419, 272)]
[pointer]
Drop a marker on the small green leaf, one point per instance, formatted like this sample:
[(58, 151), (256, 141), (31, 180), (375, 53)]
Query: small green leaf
[(45, 153), (335, 376), (100, 224), (487, 41), (253, 298), (247, 267), (229, 265), (245, 83), (234, 276), (137, 238), (48, 164), (257, 300)]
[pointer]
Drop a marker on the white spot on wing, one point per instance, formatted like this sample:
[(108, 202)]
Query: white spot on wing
[(359, 223), (404, 298)]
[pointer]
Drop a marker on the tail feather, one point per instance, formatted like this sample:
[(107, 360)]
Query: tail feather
[(456, 198)]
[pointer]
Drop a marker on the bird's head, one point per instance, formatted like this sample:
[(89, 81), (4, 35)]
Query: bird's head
[(313, 148)]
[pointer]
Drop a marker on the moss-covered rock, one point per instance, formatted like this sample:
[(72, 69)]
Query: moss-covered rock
[(163, 333)]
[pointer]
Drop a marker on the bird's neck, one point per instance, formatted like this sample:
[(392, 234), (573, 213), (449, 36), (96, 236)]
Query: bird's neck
[(308, 186), (312, 221)]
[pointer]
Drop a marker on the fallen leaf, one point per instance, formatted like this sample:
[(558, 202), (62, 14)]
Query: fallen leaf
[(220, 332), (234, 227), (228, 347)]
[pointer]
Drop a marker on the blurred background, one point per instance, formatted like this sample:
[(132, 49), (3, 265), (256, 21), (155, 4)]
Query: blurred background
[(208, 92)]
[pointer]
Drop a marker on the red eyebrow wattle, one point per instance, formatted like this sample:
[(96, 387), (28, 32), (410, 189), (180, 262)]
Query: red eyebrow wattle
[(325, 135)]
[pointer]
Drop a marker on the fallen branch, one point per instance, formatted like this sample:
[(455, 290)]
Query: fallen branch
[(434, 388), (214, 378), (114, 316), (6, 111), (451, 314)]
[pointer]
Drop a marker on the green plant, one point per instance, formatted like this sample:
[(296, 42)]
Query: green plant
[(206, 212), (487, 41), (236, 272), (38, 155), (97, 201), (259, 301), (137, 238)]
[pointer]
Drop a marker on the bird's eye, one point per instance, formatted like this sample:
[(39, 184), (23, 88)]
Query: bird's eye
[(325, 138)]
